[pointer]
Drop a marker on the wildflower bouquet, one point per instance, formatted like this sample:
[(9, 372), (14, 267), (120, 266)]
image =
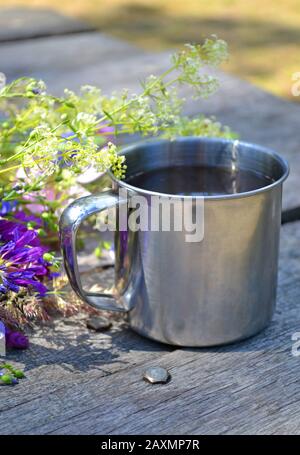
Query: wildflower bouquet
[(48, 142)]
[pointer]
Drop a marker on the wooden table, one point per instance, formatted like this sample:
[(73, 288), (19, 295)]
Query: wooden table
[(80, 382)]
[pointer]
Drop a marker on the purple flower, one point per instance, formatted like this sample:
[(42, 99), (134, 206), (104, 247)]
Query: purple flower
[(25, 218), (10, 229), (7, 207), (16, 340), (21, 258)]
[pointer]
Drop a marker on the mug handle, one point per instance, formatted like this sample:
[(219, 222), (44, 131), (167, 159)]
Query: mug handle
[(70, 221)]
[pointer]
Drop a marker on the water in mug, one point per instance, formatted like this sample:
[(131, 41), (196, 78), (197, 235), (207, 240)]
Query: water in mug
[(199, 180)]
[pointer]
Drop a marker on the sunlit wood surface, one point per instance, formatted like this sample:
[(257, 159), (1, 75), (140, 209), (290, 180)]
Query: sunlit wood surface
[(80, 382)]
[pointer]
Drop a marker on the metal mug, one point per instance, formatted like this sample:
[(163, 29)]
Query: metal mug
[(217, 291)]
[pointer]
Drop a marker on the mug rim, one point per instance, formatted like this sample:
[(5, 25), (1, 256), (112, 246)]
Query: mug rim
[(283, 162)]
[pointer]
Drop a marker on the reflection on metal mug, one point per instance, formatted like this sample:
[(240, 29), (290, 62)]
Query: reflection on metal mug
[(2, 339), (219, 289)]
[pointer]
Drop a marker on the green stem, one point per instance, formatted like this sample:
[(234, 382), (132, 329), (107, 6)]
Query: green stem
[(27, 145), (144, 93)]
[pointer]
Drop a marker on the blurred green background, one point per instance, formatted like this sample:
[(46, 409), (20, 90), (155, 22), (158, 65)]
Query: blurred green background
[(263, 35)]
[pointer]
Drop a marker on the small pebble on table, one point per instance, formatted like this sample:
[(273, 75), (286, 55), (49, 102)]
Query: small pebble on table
[(98, 323)]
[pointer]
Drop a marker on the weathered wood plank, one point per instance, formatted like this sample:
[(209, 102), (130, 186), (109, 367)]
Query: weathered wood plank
[(109, 63), (249, 387), (67, 61), (26, 23), (66, 352), (80, 382)]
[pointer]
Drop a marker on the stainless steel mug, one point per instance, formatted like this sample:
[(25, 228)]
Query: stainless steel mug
[(219, 290)]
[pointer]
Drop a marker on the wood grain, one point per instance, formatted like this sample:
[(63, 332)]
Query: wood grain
[(80, 383), (91, 383), (27, 23)]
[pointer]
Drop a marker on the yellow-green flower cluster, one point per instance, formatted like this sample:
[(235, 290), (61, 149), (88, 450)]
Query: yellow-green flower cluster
[(42, 134)]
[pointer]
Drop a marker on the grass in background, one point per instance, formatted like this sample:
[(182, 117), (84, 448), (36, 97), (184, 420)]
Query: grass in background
[(263, 36)]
